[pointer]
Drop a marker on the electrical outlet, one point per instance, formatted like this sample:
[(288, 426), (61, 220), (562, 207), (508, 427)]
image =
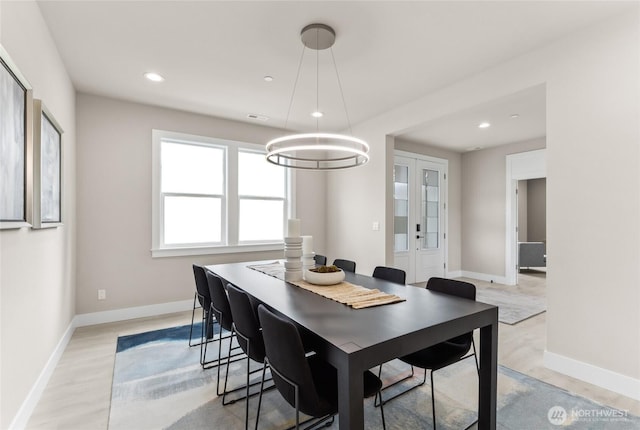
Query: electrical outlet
[(375, 226), (102, 294)]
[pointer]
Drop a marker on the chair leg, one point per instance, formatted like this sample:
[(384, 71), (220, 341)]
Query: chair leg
[(224, 390), (475, 356), (203, 340), (433, 397), (264, 369), (226, 375), (424, 380), (228, 361), (379, 393), (433, 401), (205, 321), (296, 395), (218, 360), (316, 420), (246, 405), (193, 313)]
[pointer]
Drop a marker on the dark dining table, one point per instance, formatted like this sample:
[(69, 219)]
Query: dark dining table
[(354, 340)]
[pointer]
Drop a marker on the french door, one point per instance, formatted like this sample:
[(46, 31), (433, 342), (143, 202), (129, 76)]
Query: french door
[(420, 217)]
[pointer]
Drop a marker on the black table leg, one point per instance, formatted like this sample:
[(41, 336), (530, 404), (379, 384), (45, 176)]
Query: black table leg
[(488, 390), (350, 398)]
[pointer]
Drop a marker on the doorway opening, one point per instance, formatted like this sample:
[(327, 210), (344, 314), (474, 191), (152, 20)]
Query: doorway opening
[(532, 229), (521, 167)]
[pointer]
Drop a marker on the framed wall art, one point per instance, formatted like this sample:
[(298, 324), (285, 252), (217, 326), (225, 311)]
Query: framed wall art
[(16, 109), (47, 168)]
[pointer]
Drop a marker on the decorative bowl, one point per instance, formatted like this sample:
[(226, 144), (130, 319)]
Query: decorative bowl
[(317, 278)]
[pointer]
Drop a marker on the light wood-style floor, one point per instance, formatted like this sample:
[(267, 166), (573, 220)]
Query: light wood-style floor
[(79, 392)]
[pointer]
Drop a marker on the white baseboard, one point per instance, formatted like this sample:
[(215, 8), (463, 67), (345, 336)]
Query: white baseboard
[(484, 277), (604, 378), (454, 274), (29, 404), (124, 314)]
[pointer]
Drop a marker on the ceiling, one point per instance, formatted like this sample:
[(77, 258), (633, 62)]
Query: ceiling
[(515, 118), (214, 55)]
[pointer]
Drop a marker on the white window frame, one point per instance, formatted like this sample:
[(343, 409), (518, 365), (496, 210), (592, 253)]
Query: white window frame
[(240, 197), (230, 199)]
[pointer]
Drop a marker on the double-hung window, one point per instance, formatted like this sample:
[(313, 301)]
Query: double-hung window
[(215, 196)]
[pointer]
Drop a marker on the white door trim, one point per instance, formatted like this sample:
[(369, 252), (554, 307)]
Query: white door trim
[(522, 166), (422, 157)]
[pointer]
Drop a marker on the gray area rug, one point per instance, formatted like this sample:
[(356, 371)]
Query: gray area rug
[(513, 307), (158, 384)]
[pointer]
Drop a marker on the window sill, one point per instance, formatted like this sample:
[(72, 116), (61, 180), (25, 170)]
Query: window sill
[(211, 250), (9, 225)]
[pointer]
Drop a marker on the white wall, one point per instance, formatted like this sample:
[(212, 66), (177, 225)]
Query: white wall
[(592, 124), (523, 200), (37, 270), (356, 198), (537, 210), (484, 205), (114, 203), (593, 112)]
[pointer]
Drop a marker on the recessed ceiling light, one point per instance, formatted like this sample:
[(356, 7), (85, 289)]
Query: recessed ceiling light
[(317, 114), (268, 78), (515, 115), (484, 125), (257, 117), (154, 77)]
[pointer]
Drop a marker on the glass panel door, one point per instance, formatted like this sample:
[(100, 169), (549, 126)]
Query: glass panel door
[(430, 209), (401, 207)]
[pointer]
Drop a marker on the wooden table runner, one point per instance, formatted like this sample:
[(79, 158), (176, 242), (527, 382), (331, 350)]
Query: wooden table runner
[(356, 296), (275, 269)]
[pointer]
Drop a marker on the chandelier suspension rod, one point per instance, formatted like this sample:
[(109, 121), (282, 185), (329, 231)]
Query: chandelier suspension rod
[(344, 103), (317, 83), (295, 85)]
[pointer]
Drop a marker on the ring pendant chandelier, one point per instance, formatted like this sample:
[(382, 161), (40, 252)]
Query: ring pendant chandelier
[(318, 150)]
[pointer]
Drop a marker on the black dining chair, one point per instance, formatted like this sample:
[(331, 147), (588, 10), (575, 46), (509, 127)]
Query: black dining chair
[(320, 260), (307, 383), (397, 276), (221, 310), (346, 265), (444, 353), (390, 274), (249, 335), (202, 299)]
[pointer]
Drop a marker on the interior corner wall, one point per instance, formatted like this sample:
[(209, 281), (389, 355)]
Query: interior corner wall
[(37, 267), (523, 212), (484, 207), (593, 112), (454, 188), (114, 203), (356, 198), (537, 210), (593, 233)]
